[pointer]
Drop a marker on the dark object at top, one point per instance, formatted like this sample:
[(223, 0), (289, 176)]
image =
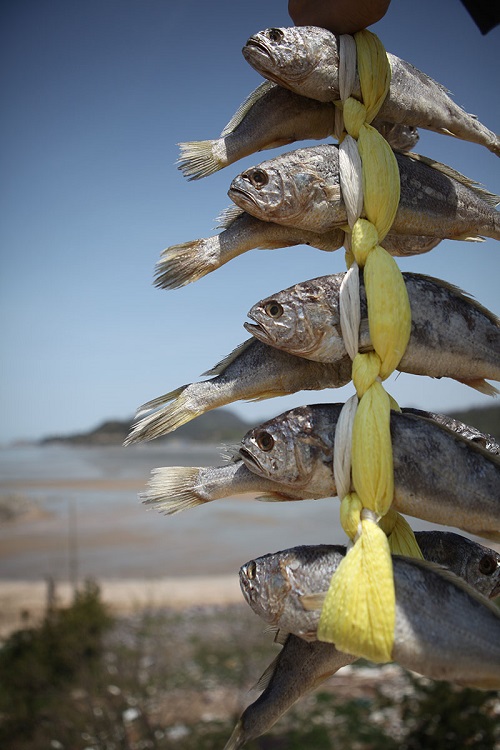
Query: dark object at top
[(485, 13)]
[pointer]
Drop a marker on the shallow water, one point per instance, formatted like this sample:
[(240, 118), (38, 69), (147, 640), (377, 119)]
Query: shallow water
[(88, 520)]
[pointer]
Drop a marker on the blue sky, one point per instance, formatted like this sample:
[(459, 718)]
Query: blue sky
[(96, 95)]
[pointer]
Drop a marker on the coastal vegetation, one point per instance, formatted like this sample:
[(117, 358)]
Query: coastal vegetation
[(171, 680)]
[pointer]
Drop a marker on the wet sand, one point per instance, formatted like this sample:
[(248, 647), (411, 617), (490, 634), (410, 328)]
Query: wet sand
[(96, 528)]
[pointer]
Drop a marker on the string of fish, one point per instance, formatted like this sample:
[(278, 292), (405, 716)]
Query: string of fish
[(358, 614)]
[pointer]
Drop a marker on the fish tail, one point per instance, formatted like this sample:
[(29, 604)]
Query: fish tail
[(479, 384), (165, 420), (172, 489), (182, 264), (198, 159), (237, 738)]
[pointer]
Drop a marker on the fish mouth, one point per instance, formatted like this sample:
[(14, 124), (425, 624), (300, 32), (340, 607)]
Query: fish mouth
[(259, 56), (258, 331), (249, 458), (239, 195), (255, 46)]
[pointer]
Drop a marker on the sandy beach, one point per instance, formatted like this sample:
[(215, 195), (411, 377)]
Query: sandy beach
[(68, 515)]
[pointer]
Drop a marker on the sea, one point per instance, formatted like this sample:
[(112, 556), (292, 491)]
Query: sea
[(73, 512)]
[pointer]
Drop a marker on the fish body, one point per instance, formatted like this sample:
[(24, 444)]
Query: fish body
[(460, 428), (306, 474), (439, 476), (253, 371), (443, 630), (173, 489), (299, 667), (301, 188), (273, 116), (189, 261), (451, 334), (305, 59), (302, 665), (270, 117)]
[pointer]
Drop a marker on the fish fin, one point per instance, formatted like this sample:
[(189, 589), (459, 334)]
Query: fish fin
[(172, 489), (449, 575), (237, 738), (246, 106), (231, 453), (187, 262), (228, 216), (159, 401), (490, 198), (221, 366), (312, 602), (266, 677), (281, 637), (275, 497), (468, 238), (480, 385), (166, 420), (468, 298), (199, 159)]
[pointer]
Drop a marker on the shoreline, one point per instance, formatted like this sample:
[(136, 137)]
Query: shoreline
[(23, 603)]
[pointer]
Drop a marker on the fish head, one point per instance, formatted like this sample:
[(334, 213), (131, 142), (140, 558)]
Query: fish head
[(483, 571), (277, 585), (302, 320), (300, 188), (264, 586), (290, 449), (477, 565), (301, 58)]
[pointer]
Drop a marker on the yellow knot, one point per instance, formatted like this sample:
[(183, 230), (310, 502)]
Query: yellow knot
[(372, 468), (354, 116), (401, 537), (365, 371), (389, 313), (364, 239), (359, 613), (350, 514)]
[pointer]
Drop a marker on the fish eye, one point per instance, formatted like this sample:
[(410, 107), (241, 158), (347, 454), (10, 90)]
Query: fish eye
[(487, 565), (251, 570), (275, 35), (273, 309), (258, 178), (265, 441)]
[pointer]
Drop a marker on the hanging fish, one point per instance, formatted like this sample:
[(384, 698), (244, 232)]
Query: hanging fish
[(444, 629), (189, 261), (303, 665), (301, 188), (451, 334), (305, 59), (300, 348), (253, 371), (273, 116), (438, 476)]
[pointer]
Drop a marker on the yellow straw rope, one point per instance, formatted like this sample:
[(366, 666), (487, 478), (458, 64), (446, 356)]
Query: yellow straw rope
[(358, 614)]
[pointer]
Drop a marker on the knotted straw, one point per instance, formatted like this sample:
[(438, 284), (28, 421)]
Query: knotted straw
[(358, 613)]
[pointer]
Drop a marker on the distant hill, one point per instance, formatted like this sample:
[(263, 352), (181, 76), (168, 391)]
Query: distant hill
[(217, 426), (223, 426)]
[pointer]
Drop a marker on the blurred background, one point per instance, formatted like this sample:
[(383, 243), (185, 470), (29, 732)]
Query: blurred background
[(96, 98)]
